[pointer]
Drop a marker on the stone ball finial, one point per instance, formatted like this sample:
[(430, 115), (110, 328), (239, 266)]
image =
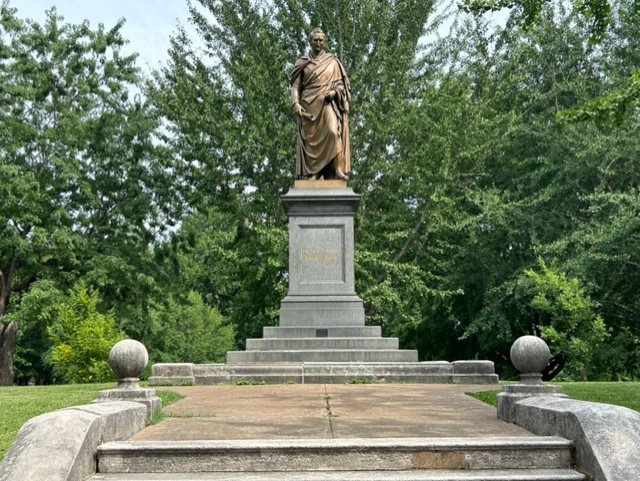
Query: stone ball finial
[(128, 359), (530, 355)]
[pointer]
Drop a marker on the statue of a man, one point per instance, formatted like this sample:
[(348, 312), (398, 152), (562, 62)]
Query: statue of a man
[(320, 92)]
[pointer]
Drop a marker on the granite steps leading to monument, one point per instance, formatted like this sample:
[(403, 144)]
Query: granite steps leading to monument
[(326, 343), (341, 343), (444, 459), (333, 354), (322, 355)]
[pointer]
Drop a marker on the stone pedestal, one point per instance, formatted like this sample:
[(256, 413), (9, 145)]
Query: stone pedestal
[(321, 259), (321, 317), (529, 355), (128, 358), (321, 337)]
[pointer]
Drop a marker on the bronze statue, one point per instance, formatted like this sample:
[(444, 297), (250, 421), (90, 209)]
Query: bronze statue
[(320, 92)]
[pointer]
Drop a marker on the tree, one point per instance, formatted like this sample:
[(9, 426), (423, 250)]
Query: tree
[(34, 311), (187, 330), (599, 17), (82, 338), (85, 187), (566, 318), (544, 187)]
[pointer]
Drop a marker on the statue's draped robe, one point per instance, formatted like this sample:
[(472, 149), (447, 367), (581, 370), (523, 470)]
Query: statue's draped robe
[(324, 135)]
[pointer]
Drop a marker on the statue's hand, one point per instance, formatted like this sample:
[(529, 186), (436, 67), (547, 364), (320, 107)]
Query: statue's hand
[(330, 95), (300, 112)]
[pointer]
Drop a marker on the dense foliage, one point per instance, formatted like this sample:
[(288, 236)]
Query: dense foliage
[(82, 338), (497, 166)]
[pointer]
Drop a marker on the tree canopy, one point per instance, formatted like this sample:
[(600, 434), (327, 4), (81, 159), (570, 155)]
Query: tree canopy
[(85, 188), (492, 206)]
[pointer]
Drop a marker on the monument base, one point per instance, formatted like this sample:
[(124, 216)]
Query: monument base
[(312, 311), (322, 337), (435, 372)]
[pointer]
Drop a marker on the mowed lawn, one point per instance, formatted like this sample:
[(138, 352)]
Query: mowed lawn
[(19, 404), (625, 394)]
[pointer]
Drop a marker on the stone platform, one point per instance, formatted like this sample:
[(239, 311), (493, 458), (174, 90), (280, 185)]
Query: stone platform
[(321, 343), (435, 372)]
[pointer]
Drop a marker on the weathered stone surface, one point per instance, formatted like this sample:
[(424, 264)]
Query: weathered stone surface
[(322, 343), (128, 358), (212, 374), (147, 397), (530, 354), (321, 242), (172, 373), (431, 372), (473, 367), (61, 445), (338, 355), (329, 331), (321, 311), (507, 400), (413, 475), (335, 455), (607, 437)]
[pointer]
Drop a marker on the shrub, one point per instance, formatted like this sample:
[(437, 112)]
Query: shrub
[(82, 337)]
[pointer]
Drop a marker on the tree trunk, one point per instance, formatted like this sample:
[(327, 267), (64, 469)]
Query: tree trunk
[(8, 334)]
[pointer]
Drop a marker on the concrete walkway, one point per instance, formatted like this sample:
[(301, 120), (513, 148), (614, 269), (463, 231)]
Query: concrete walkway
[(328, 411)]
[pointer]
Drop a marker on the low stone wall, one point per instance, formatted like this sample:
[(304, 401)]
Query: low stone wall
[(61, 445), (607, 438), (430, 372)]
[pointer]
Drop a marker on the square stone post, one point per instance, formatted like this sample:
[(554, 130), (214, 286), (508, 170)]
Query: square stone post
[(321, 256)]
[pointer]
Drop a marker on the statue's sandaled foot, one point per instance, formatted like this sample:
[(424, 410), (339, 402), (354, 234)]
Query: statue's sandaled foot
[(313, 177), (341, 175)]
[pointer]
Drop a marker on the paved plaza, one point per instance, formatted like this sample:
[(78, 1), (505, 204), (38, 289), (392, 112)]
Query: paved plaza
[(328, 411)]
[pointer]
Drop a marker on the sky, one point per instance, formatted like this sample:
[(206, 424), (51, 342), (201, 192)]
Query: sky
[(149, 23)]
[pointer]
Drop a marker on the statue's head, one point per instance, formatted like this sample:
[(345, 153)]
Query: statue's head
[(316, 39)]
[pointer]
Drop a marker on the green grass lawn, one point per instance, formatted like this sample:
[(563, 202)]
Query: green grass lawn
[(625, 394), (19, 404)]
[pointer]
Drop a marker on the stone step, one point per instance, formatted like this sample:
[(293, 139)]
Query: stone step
[(414, 475), (329, 331), (437, 372), (322, 343), (329, 355), (293, 455)]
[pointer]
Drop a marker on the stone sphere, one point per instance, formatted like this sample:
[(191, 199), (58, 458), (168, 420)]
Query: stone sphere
[(530, 354), (128, 359)]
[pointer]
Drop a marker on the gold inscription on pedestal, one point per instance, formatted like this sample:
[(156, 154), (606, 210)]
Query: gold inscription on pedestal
[(321, 254)]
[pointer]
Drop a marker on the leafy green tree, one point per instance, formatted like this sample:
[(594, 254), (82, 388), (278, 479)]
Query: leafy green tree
[(82, 338), (34, 311), (187, 330), (85, 187), (240, 271), (599, 16), (545, 187), (566, 318), (597, 13)]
